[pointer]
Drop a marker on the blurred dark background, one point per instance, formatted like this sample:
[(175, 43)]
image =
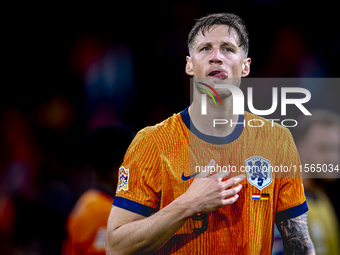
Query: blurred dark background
[(69, 69)]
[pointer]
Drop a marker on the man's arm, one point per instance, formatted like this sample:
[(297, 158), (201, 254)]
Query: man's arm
[(295, 236), (129, 233)]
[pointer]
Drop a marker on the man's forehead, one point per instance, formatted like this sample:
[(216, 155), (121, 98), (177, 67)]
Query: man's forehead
[(217, 33)]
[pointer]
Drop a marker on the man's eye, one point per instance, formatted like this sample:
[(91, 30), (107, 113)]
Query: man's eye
[(228, 49), (205, 48)]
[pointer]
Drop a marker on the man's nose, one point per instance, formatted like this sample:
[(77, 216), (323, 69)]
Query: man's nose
[(216, 58)]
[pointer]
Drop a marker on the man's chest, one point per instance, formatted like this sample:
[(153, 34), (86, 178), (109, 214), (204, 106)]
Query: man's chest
[(181, 166)]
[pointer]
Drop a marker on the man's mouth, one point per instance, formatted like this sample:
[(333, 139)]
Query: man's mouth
[(218, 74)]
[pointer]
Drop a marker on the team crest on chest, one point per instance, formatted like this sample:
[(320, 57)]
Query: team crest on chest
[(123, 183), (258, 172)]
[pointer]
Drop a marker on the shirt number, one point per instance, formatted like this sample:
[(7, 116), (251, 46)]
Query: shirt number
[(204, 218)]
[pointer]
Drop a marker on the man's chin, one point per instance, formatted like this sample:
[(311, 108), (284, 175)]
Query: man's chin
[(213, 80), (223, 93)]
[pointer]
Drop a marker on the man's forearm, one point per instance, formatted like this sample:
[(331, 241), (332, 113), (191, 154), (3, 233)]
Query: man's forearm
[(295, 236), (148, 235), (131, 235)]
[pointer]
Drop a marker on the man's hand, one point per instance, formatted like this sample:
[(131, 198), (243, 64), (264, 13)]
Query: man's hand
[(208, 192)]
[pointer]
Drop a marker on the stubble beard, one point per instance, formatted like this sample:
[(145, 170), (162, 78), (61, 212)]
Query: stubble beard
[(222, 92)]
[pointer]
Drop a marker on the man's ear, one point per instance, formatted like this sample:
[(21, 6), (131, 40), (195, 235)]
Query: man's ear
[(246, 67), (188, 67)]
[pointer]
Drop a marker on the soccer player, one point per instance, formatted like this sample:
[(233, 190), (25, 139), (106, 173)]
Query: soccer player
[(164, 205), (86, 225)]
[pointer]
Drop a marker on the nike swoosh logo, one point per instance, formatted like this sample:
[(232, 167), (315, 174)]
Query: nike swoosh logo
[(185, 178)]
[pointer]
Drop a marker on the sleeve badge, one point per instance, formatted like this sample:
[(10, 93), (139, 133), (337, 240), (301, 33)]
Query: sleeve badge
[(123, 182)]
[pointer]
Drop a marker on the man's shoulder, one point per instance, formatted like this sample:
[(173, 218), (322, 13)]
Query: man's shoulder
[(167, 129)]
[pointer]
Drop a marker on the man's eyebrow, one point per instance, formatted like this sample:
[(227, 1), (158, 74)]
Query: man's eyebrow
[(229, 44), (210, 44), (203, 44)]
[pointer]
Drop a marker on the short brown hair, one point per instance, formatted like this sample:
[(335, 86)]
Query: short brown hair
[(232, 20)]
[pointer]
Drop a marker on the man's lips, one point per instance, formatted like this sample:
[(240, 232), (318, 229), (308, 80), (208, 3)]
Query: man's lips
[(218, 74)]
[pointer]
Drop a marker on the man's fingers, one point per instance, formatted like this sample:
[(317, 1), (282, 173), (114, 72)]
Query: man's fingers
[(234, 180), (230, 200), (232, 191), (220, 175)]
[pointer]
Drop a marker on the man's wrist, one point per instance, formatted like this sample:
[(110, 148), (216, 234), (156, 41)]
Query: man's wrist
[(186, 205)]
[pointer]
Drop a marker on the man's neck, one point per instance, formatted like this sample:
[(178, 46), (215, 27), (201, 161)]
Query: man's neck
[(205, 123)]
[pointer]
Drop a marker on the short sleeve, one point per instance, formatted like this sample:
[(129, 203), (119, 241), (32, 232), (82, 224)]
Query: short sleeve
[(139, 183), (291, 198)]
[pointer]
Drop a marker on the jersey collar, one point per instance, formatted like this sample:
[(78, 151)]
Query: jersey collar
[(213, 139)]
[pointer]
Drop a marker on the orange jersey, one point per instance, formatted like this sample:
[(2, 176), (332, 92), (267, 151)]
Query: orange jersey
[(86, 225), (160, 164)]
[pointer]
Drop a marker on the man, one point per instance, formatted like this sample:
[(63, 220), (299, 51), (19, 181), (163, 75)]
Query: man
[(318, 142), (86, 225), (161, 208)]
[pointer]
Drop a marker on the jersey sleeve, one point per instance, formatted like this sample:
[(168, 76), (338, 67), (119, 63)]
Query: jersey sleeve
[(139, 183), (291, 198)]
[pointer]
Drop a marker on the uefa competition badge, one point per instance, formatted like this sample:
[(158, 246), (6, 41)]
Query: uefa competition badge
[(258, 172), (123, 179)]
